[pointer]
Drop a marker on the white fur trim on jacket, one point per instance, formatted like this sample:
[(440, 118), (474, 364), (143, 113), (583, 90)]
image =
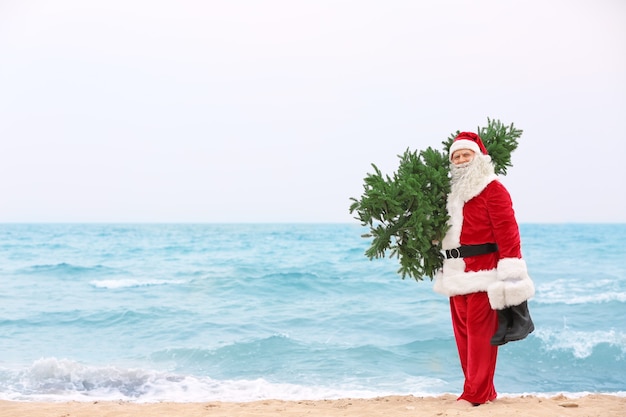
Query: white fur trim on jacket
[(513, 285), (453, 280)]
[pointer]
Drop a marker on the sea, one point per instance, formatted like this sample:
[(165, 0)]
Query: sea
[(246, 312)]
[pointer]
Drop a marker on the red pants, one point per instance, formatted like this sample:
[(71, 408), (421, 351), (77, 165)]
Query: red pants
[(474, 323)]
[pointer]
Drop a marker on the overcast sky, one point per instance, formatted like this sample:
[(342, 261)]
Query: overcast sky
[(273, 110)]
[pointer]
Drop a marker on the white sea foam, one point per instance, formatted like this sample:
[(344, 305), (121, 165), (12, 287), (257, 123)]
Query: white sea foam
[(113, 284), (580, 343), (51, 379), (576, 291)]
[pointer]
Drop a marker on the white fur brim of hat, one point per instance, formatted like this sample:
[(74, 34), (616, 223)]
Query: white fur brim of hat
[(464, 144)]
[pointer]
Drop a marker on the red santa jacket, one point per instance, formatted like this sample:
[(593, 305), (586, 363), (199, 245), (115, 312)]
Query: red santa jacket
[(485, 215)]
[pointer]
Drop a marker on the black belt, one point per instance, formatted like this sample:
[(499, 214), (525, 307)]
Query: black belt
[(466, 251)]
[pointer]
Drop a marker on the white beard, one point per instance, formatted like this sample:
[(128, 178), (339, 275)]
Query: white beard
[(466, 182), (469, 179)]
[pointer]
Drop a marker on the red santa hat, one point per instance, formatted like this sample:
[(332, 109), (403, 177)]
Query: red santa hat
[(468, 140)]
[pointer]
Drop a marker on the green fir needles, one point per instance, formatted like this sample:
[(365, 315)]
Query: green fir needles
[(406, 212)]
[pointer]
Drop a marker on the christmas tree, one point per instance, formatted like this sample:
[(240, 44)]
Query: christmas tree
[(406, 212)]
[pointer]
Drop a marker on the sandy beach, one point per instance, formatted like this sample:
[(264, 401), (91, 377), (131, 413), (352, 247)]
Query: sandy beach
[(587, 406)]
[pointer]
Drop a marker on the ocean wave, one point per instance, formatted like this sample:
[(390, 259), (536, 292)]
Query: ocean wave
[(593, 298), (581, 343), (65, 269), (576, 291), (116, 284), (52, 379)]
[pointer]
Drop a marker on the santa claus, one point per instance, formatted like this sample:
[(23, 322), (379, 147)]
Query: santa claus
[(483, 272)]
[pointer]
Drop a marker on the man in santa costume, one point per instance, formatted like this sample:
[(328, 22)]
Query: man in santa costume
[(483, 272)]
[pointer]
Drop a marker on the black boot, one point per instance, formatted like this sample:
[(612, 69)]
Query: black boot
[(504, 323), (522, 325)]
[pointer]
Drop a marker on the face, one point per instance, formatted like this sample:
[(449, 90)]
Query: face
[(462, 156)]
